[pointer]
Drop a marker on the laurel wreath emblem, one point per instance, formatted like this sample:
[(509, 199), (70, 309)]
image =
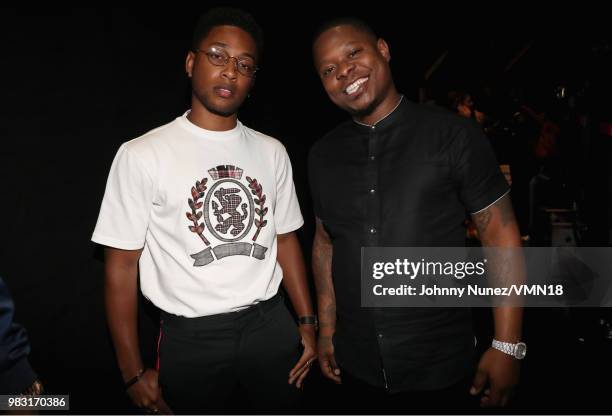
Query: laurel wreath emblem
[(194, 216), (257, 190)]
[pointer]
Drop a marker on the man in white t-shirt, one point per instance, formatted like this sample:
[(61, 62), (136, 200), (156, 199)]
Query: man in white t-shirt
[(206, 208)]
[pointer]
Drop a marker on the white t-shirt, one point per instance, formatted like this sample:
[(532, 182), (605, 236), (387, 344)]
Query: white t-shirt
[(206, 207)]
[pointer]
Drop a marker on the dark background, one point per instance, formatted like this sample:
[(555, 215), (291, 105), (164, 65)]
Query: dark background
[(77, 83)]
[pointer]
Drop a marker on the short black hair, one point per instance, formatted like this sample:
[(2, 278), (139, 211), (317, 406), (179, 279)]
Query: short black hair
[(230, 16), (355, 22)]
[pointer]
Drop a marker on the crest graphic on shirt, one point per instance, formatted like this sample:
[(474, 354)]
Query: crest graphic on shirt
[(230, 211)]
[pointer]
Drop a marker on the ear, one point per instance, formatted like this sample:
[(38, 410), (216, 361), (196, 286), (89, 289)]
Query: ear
[(383, 49), (189, 63)]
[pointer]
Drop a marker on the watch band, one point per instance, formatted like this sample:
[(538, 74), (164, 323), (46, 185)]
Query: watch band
[(308, 320), (518, 350)]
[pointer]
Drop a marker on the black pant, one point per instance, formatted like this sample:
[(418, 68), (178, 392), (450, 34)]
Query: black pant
[(204, 361), (360, 397)]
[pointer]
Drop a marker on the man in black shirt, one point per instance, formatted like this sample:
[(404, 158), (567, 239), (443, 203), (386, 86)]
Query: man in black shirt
[(399, 174)]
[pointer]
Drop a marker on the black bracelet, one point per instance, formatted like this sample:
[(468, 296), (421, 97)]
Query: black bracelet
[(308, 320), (135, 379)]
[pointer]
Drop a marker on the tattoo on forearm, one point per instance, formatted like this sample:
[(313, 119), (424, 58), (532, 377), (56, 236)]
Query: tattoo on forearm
[(321, 266), (322, 252), (327, 315)]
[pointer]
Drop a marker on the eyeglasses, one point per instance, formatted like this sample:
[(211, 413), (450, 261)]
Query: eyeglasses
[(218, 57)]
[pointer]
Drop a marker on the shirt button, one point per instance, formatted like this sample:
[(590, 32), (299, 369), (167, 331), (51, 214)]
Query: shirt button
[(372, 157), (380, 336), (372, 230), (372, 191)]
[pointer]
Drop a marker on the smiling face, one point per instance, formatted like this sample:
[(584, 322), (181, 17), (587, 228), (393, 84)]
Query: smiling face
[(219, 90), (354, 69)]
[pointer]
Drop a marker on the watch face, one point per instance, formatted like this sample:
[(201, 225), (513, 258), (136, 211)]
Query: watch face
[(521, 350)]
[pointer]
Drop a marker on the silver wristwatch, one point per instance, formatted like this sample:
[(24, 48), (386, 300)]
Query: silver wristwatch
[(518, 350)]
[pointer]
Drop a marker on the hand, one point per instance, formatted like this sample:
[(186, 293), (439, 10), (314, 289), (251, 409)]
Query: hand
[(327, 359), (501, 372), (301, 369), (145, 393)]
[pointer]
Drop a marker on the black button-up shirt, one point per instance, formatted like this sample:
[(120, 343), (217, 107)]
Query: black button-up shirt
[(407, 181)]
